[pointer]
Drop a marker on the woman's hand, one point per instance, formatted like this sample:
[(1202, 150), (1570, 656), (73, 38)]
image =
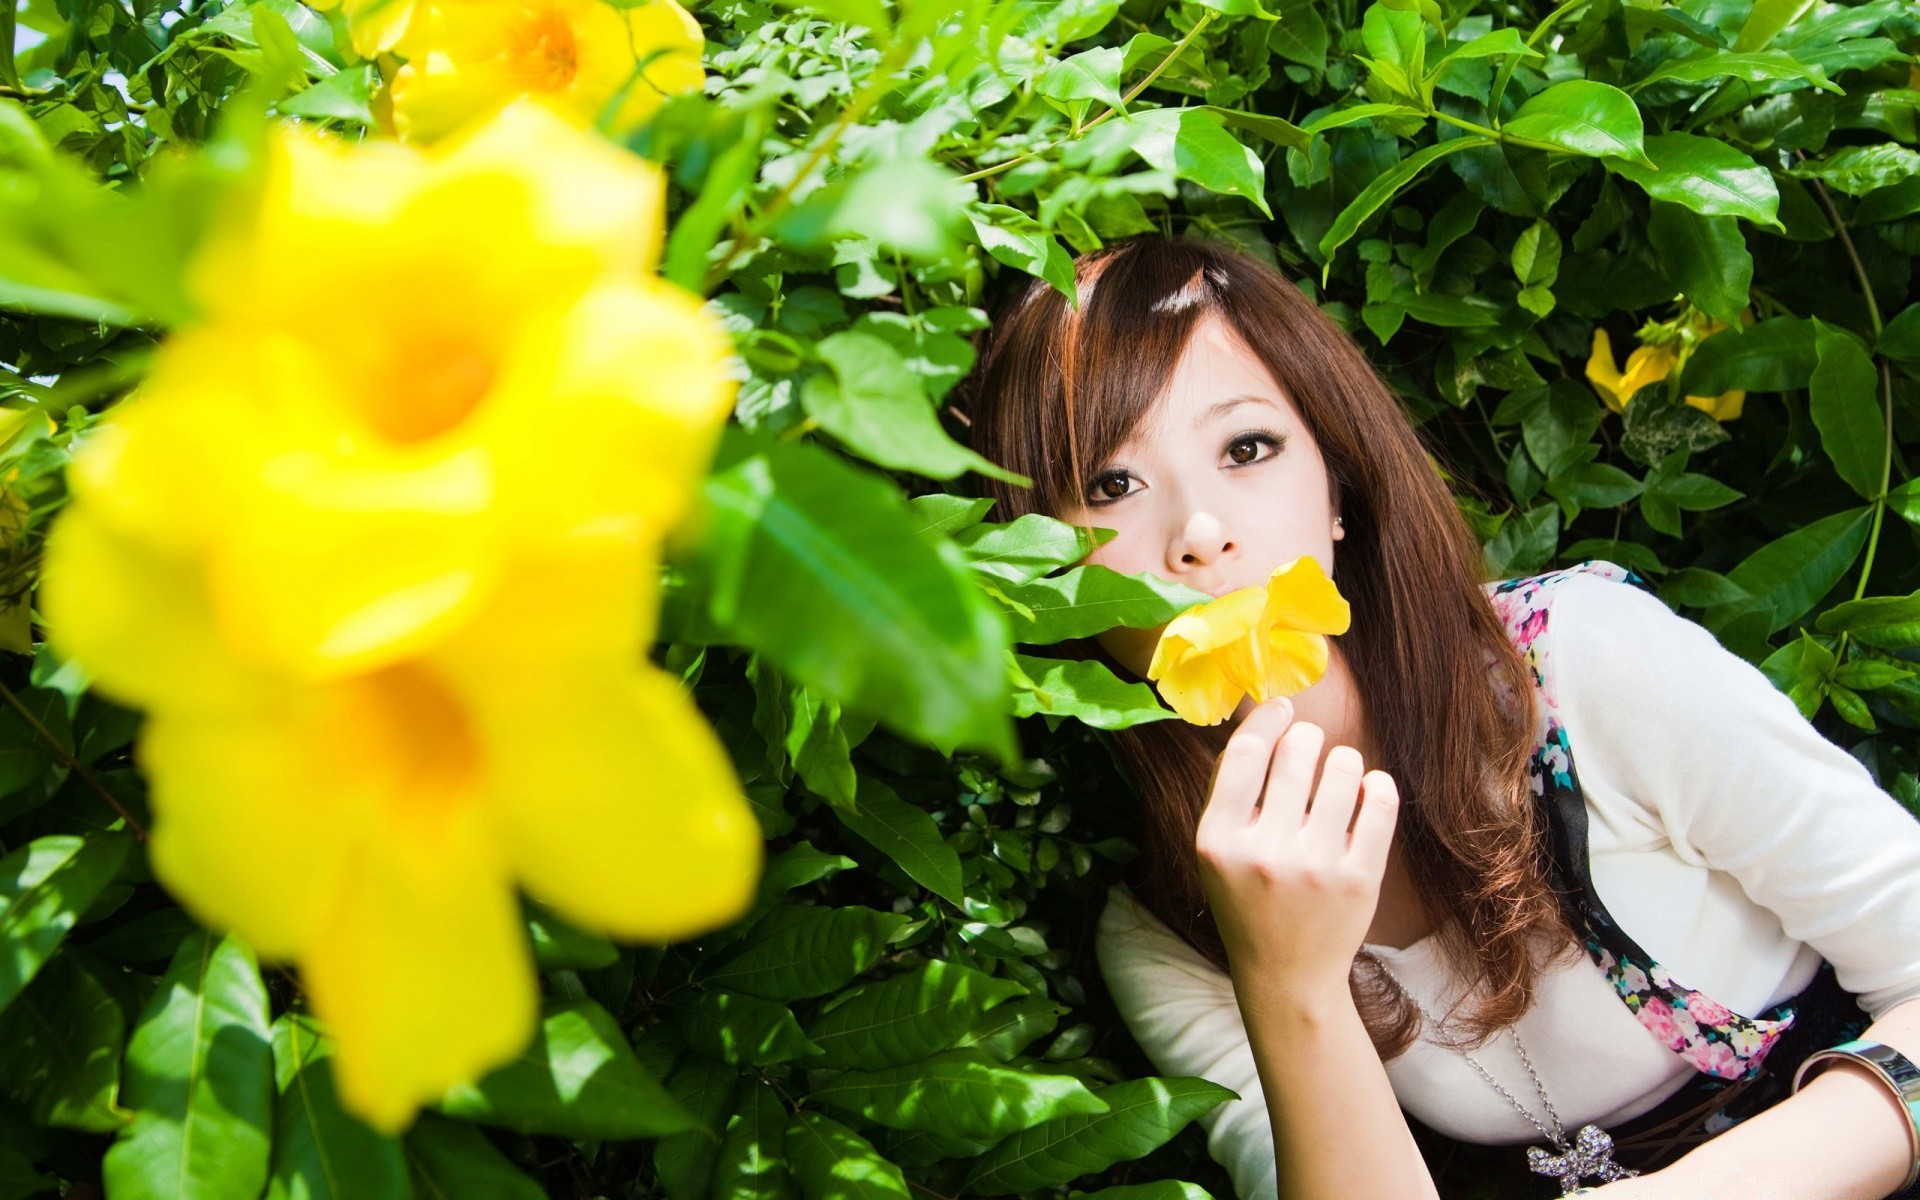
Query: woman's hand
[(1292, 892)]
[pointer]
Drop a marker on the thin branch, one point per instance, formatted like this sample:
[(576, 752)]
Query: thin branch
[(73, 764)]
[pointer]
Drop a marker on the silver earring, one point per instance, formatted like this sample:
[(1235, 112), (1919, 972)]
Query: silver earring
[(1340, 521)]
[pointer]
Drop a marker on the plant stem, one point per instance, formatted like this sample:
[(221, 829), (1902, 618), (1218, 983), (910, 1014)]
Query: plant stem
[(73, 764)]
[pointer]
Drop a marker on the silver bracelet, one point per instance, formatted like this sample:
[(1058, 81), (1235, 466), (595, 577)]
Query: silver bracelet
[(1891, 1068)]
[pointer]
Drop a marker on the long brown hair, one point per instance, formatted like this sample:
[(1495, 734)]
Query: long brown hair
[(1059, 388)]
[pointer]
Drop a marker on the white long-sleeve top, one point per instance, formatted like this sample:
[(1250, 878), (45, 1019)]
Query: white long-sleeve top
[(1728, 838)]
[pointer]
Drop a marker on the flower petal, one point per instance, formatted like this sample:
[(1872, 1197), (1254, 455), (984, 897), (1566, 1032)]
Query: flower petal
[(1290, 662), (1200, 687), (1300, 595), (422, 973), (621, 807)]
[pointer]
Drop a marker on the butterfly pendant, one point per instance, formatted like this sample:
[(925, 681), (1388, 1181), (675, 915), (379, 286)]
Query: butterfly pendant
[(1592, 1154)]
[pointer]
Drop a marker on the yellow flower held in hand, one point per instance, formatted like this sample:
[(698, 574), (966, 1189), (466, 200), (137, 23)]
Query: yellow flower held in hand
[(466, 58), (1261, 641), (373, 547)]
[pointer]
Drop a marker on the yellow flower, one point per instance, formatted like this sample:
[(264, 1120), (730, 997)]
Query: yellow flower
[(373, 548), (466, 58), (373, 26), (1264, 641), (1646, 365)]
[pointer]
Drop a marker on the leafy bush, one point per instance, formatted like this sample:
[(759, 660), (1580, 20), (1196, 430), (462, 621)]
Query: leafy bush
[(1491, 201)]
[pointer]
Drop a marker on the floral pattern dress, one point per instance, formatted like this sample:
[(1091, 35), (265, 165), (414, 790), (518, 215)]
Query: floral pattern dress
[(1744, 1064)]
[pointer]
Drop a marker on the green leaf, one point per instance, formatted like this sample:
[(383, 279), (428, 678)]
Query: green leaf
[(1092, 599), (60, 1046), (1705, 257), (1763, 66), (1028, 548), (1397, 36), (1193, 145), (1802, 669), (1901, 337), (1581, 116), (684, 1162), (1016, 239), (28, 761), (1594, 485), (1384, 187), (1276, 130), (907, 1018), (447, 1160), (1857, 170), (1788, 575), (906, 834), (1011, 1027), (1159, 1189), (1766, 19), (1089, 75), (319, 1151), (962, 1093), (1775, 355), (343, 96), (875, 404), (558, 945), (942, 513), (1706, 175), (905, 204), (199, 1080), (802, 950), (1299, 35), (1142, 1116), (821, 568), (752, 1160), (1846, 409), (1085, 690), (832, 1162), (44, 887), (739, 1029), (1888, 622), (578, 1079)]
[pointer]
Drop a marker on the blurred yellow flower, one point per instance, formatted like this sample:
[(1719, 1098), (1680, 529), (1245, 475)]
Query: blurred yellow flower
[(1265, 641), (373, 26), (373, 547), (466, 58)]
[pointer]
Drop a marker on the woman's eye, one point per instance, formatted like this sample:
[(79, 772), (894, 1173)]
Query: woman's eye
[(1111, 487), (1246, 448)]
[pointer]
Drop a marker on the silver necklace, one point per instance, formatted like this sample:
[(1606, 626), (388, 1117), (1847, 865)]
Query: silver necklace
[(1590, 1153)]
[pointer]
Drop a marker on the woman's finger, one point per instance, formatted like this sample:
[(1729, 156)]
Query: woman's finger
[(1333, 801), (1373, 828), (1290, 778), (1241, 770)]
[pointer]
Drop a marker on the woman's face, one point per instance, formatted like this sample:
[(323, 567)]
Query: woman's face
[(1220, 484)]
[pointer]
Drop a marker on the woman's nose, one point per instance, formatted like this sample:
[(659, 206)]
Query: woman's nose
[(1203, 540)]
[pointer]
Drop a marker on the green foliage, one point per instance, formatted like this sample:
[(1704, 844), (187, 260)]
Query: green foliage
[(1471, 190)]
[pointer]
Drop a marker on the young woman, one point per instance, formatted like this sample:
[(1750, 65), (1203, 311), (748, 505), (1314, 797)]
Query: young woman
[(1389, 913)]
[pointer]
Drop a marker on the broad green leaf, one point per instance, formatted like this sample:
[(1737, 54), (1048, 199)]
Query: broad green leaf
[(1010, 1028), (906, 834), (44, 887), (1193, 145), (1276, 130), (684, 1162), (1384, 187), (1028, 548), (1159, 1189), (963, 1093), (802, 950), (1237, 8), (1889, 622), (343, 96), (1089, 75), (907, 1018), (448, 1160), (818, 743), (941, 513), (60, 1047), (1581, 116), (559, 945), (1487, 45), (320, 1152), (199, 1081), (752, 1160), (905, 204), (1765, 20), (1803, 669), (1705, 257), (579, 1078), (1594, 485), (1705, 174), (1016, 239), (1092, 599), (1299, 35), (1397, 36), (739, 1029), (1357, 113), (1846, 409), (874, 403), (831, 1162), (1142, 1115), (1775, 355), (822, 568), (1763, 66), (1086, 690), (27, 760), (1901, 337), (1788, 575), (1857, 170)]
